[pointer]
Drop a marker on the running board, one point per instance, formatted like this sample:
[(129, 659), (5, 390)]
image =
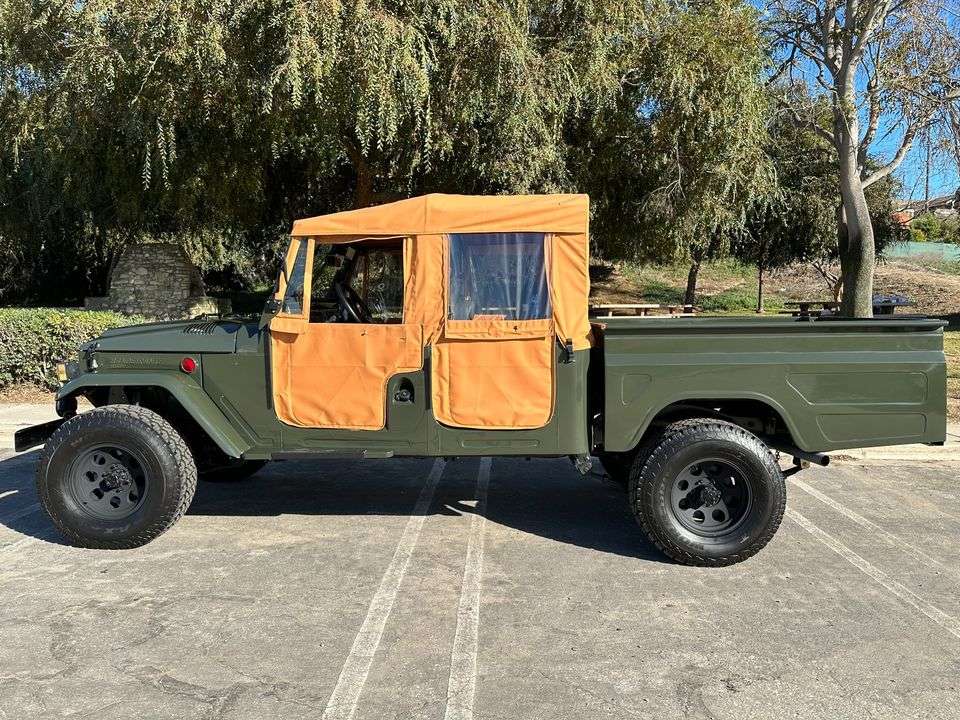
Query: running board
[(333, 455)]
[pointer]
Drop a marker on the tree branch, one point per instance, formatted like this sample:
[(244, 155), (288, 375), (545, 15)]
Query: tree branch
[(807, 123), (898, 157)]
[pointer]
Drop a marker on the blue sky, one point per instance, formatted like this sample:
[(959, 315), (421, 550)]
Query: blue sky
[(943, 180)]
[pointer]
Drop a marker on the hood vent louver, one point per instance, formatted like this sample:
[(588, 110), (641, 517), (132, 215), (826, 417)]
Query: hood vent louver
[(203, 328)]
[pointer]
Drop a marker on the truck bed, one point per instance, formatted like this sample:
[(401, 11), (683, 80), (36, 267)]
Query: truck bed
[(831, 383)]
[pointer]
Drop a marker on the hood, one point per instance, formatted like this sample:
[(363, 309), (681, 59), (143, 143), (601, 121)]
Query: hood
[(178, 336)]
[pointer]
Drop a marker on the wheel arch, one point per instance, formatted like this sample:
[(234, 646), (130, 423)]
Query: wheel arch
[(756, 413), (188, 396)]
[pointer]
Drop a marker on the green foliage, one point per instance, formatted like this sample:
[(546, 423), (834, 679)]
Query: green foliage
[(738, 300), (33, 340), (661, 293), (677, 159), (797, 219), (930, 227), (664, 284), (215, 123)]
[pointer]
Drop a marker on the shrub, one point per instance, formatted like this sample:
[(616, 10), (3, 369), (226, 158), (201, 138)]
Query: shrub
[(34, 340), (930, 227)]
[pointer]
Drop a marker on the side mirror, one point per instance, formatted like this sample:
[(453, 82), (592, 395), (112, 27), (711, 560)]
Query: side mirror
[(270, 308)]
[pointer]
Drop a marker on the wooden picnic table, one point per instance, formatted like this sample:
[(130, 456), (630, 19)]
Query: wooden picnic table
[(881, 306), (803, 307), (610, 309), (888, 307)]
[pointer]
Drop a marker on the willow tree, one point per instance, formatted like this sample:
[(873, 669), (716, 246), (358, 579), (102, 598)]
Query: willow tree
[(887, 69), (391, 86), (218, 120), (676, 162)]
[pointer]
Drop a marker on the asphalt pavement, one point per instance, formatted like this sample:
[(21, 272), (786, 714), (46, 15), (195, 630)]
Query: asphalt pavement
[(483, 588)]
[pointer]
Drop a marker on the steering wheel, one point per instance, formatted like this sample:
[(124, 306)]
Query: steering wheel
[(352, 304)]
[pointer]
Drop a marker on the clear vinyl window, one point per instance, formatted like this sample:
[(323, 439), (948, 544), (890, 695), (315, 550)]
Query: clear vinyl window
[(498, 275), (358, 282)]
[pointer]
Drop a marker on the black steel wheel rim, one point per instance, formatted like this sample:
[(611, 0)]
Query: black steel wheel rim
[(711, 497), (108, 482)]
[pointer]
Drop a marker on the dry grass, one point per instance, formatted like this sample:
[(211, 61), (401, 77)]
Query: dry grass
[(21, 394), (727, 287), (951, 346), (934, 287)]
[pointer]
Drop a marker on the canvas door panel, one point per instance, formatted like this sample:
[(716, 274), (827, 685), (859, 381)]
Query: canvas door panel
[(494, 384), (494, 359), (335, 375)]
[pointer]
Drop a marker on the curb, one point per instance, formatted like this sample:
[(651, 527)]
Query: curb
[(902, 453)]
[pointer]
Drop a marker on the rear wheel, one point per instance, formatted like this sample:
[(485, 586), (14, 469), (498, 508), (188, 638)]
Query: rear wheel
[(710, 493), (115, 477)]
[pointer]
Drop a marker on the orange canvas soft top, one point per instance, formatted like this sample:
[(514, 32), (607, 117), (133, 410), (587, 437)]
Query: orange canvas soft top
[(490, 371), (438, 213), (424, 222)]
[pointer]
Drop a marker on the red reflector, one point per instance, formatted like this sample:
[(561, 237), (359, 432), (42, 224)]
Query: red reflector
[(188, 365)]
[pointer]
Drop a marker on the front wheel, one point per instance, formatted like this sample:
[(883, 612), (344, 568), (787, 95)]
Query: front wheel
[(710, 493), (115, 477)]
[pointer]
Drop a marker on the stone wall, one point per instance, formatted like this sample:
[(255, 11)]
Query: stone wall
[(158, 281)]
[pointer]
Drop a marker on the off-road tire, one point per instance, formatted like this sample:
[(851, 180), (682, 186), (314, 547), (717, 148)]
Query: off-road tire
[(234, 472), (169, 471), (685, 442)]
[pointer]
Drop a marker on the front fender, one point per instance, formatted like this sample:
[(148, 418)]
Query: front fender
[(187, 392)]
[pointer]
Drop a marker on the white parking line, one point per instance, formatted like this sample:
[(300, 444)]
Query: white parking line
[(343, 701), (865, 566), (462, 685), (901, 545)]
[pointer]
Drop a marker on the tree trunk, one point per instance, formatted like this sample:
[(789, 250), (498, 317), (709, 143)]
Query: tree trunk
[(761, 261), (364, 194), (760, 287), (690, 296), (857, 253)]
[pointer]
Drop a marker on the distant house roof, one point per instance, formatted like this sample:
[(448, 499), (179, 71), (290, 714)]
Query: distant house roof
[(902, 218), (941, 202)]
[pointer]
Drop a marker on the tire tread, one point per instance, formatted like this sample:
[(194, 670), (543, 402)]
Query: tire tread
[(105, 417), (661, 447)]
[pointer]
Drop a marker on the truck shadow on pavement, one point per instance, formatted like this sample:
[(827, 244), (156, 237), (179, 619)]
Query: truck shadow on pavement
[(544, 498)]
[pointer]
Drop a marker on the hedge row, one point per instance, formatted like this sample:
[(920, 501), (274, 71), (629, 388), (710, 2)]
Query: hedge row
[(34, 340)]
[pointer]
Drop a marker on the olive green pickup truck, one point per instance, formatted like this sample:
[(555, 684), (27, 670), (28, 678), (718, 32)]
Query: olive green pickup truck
[(453, 326)]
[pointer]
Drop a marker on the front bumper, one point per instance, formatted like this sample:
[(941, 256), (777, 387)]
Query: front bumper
[(30, 437)]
